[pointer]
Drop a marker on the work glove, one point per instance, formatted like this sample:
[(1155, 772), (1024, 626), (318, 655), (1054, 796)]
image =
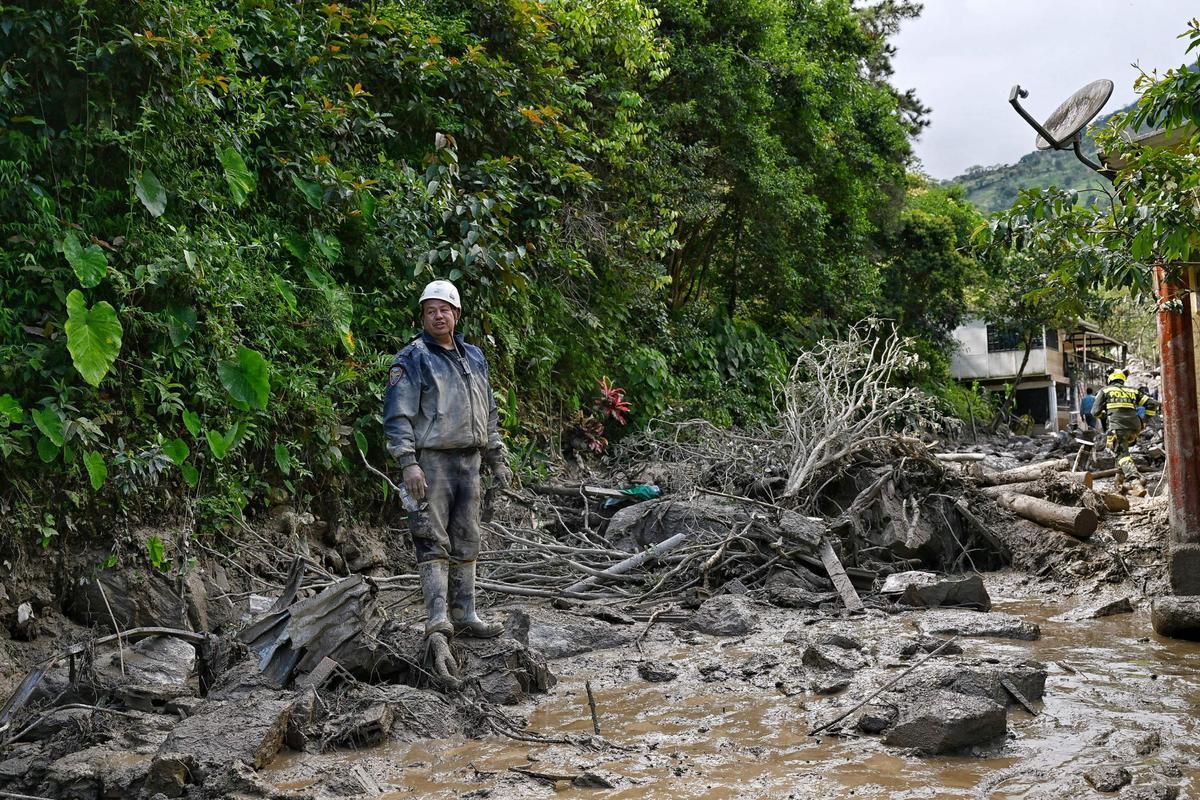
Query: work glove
[(501, 475), (414, 481)]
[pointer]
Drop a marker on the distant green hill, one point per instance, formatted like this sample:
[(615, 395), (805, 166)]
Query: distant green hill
[(994, 188)]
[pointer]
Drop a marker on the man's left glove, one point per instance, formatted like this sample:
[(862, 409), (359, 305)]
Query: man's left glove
[(501, 475)]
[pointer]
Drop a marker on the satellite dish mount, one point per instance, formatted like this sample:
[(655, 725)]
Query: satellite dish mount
[(1064, 128)]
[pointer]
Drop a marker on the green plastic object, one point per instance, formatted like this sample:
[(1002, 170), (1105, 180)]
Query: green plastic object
[(643, 491)]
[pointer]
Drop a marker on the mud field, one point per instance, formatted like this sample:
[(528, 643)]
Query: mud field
[(751, 678)]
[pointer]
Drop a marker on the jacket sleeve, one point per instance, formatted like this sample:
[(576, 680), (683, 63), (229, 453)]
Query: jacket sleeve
[(496, 453), (1099, 407), (401, 403)]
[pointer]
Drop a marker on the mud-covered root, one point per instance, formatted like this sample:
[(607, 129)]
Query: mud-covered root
[(440, 661)]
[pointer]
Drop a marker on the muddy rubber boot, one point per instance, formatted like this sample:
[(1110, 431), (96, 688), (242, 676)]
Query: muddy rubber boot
[(1119, 482), (462, 605), (1137, 487), (433, 586)]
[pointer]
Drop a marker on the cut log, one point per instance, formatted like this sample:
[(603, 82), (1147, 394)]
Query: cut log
[(1029, 472), (841, 581), (1037, 488), (1114, 502), (1103, 473), (576, 491), (1079, 522)]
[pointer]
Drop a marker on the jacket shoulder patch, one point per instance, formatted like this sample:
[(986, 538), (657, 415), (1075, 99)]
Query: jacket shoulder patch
[(395, 375)]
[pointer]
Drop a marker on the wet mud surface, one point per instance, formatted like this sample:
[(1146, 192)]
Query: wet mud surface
[(731, 726)]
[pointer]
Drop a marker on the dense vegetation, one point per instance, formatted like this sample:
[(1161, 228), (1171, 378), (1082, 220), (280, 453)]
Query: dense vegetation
[(217, 217)]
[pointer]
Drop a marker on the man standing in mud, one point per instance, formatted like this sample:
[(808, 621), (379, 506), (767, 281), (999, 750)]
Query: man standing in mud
[(1117, 405), (440, 419)]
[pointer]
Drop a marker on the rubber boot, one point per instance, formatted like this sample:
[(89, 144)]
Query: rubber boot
[(1119, 482), (433, 586), (462, 604), (1138, 488)]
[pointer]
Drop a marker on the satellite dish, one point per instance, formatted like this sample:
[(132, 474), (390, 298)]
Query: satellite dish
[(1074, 114), (1061, 131)]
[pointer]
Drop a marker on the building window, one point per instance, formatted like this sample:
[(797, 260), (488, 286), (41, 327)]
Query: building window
[(1051, 338), (1001, 339)]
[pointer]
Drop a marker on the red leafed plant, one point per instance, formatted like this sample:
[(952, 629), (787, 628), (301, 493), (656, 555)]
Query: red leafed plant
[(611, 402), (589, 432)]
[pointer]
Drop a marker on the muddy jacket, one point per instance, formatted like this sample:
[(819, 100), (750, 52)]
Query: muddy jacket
[(1117, 406), (439, 399)]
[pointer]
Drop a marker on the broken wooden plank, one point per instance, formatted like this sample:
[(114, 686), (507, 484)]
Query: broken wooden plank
[(1079, 522), (576, 491), (841, 581), (959, 458), (1016, 694)]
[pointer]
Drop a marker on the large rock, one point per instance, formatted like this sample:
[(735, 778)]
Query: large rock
[(977, 624), (155, 661), (943, 722), (982, 679), (639, 526), (1176, 617), (250, 729), (724, 615), (138, 598), (929, 590), (1122, 605), (97, 772), (555, 634), (506, 671), (1108, 778)]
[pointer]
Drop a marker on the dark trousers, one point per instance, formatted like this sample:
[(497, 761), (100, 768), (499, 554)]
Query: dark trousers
[(448, 527)]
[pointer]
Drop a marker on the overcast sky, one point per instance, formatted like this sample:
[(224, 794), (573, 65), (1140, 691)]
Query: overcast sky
[(963, 56)]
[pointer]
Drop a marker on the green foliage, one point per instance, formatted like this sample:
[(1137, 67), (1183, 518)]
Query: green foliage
[(93, 337), (252, 195)]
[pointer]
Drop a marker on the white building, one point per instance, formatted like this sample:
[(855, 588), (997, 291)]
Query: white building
[(1061, 366)]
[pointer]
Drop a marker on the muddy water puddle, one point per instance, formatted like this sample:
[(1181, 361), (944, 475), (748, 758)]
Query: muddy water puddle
[(1115, 694)]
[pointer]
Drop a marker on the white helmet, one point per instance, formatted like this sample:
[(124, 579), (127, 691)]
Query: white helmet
[(441, 290)]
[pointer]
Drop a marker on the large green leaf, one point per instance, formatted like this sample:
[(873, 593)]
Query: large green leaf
[(342, 313), (328, 245), (151, 192), (90, 263), (96, 470), (295, 244), (313, 192), (240, 179), (50, 423), (285, 291), (284, 459), (220, 443), (47, 450), (11, 412), (93, 337), (176, 450), (190, 474), (181, 321), (246, 378), (191, 421)]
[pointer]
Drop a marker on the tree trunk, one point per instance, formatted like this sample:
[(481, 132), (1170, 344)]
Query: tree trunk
[(1003, 414), (1029, 472), (1079, 522)]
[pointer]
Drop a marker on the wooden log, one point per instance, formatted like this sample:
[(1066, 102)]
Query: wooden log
[(1103, 473), (1079, 522), (841, 581), (1029, 472), (1114, 502), (633, 562), (576, 491), (959, 457), (1037, 488)]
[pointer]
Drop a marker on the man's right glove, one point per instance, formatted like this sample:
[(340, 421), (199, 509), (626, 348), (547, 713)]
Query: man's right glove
[(501, 475), (414, 481)]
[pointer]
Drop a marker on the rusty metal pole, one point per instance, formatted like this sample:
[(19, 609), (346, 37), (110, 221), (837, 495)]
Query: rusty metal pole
[(1181, 431)]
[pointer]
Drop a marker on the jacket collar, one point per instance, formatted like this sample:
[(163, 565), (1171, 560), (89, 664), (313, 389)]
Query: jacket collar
[(433, 345)]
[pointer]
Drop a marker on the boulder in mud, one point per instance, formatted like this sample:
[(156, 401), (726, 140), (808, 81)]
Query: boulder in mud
[(796, 597), (1176, 617), (876, 718), (1121, 605), (250, 729), (639, 526), (555, 634), (1107, 778), (137, 598), (657, 671), (97, 772), (944, 722), (154, 661), (724, 615), (929, 590), (982, 679), (977, 624), (1151, 791)]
